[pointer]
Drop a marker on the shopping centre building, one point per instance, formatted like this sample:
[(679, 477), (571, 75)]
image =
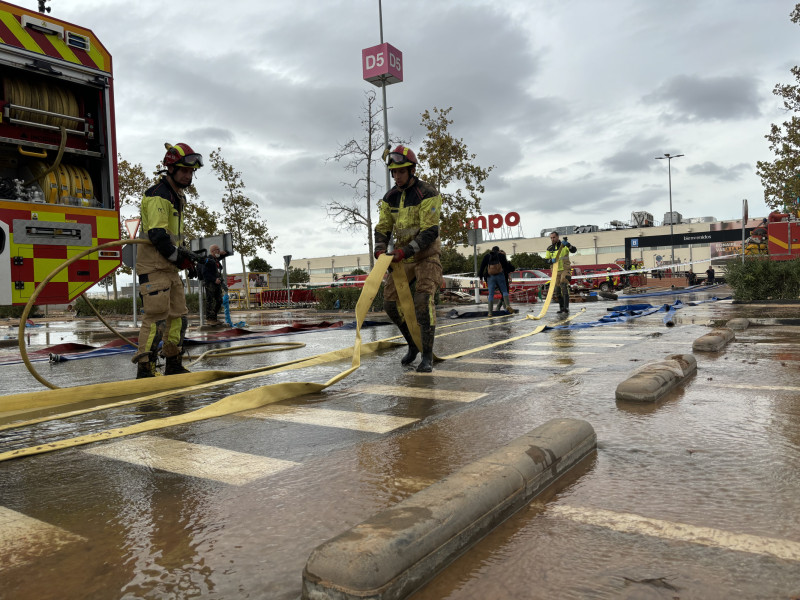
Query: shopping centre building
[(696, 239)]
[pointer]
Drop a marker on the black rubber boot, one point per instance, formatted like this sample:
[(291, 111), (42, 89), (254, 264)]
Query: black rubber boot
[(391, 310), (427, 329), (144, 369), (175, 366), (489, 313), (560, 305), (413, 351), (566, 304)]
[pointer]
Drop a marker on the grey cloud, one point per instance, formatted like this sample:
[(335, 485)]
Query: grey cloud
[(211, 135), (690, 98), (711, 169)]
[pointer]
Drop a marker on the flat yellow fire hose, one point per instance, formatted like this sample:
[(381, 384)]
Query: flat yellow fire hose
[(247, 400)]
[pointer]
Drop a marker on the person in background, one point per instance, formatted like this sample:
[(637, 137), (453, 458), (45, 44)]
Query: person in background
[(691, 277), (710, 275), (493, 269), (558, 253), (213, 283)]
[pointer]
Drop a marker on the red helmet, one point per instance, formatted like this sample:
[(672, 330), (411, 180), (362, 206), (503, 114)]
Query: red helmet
[(182, 155), (401, 157)]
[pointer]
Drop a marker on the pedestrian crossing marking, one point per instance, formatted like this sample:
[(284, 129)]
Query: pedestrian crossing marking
[(512, 362), (705, 536), (193, 460), (558, 343), (325, 417), (418, 392), (748, 386), (565, 352), (474, 374), (578, 371), (23, 538)]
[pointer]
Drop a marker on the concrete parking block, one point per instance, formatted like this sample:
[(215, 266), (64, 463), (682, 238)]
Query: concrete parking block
[(738, 324), (714, 341), (393, 553), (652, 381)]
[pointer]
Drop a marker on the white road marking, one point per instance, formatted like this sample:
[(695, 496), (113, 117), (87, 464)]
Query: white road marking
[(570, 343), (705, 536), (511, 362), (557, 351), (418, 392), (193, 460), (577, 371), (24, 539), (340, 419), (483, 376), (747, 386)]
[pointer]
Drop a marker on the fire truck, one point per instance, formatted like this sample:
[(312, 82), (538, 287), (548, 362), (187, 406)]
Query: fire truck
[(58, 168)]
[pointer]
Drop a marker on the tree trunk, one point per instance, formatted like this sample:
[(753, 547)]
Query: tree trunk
[(114, 281)]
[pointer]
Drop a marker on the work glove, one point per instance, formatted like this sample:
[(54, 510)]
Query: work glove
[(378, 253), (398, 255), (186, 258), (552, 261), (191, 272), (566, 243)]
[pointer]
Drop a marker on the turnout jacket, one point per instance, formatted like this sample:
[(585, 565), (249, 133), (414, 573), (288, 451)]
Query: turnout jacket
[(413, 214), (162, 224), (560, 252)]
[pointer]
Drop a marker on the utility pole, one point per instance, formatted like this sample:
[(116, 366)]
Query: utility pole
[(671, 214)]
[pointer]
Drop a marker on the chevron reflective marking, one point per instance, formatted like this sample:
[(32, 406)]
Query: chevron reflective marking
[(667, 530), (23, 538), (192, 460), (340, 419), (418, 392)]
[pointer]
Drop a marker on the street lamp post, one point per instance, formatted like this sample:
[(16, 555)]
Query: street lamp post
[(671, 215)]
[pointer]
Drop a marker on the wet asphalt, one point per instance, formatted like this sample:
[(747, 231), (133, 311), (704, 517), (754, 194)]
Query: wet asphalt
[(695, 496)]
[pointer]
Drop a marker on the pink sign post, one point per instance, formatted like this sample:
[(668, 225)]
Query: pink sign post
[(382, 65)]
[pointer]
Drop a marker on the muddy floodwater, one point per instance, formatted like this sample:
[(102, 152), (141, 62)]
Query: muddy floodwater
[(694, 496)]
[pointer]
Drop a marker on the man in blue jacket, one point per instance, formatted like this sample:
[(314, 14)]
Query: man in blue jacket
[(213, 283)]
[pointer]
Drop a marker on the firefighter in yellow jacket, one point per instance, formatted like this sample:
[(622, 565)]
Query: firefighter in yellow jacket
[(412, 209), (159, 264), (558, 252)]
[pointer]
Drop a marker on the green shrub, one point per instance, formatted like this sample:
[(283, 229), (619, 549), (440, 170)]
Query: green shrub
[(122, 306), (15, 312), (347, 297), (758, 278)]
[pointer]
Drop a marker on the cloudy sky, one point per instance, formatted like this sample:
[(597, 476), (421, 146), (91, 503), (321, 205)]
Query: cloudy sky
[(571, 101)]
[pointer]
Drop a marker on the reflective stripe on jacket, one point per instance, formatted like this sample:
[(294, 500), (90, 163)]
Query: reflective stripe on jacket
[(413, 214), (561, 253), (162, 208)]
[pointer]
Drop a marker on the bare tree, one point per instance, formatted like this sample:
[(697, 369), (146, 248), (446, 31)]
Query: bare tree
[(359, 157)]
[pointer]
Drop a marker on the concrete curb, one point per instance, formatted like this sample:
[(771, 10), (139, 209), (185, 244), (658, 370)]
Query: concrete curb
[(652, 381), (393, 553), (738, 324), (713, 341)]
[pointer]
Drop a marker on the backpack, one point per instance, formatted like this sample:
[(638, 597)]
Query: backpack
[(494, 267)]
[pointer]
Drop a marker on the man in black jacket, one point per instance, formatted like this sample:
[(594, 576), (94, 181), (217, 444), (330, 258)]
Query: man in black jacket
[(213, 283), (493, 269)]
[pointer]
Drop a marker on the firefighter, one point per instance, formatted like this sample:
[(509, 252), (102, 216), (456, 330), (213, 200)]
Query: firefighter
[(213, 283), (558, 252), (410, 213), (158, 265), (612, 282)]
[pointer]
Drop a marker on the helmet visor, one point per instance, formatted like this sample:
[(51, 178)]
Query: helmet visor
[(395, 158), (194, 161)]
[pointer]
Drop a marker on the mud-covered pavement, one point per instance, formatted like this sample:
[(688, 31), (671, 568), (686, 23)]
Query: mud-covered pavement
[(696, 496)]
